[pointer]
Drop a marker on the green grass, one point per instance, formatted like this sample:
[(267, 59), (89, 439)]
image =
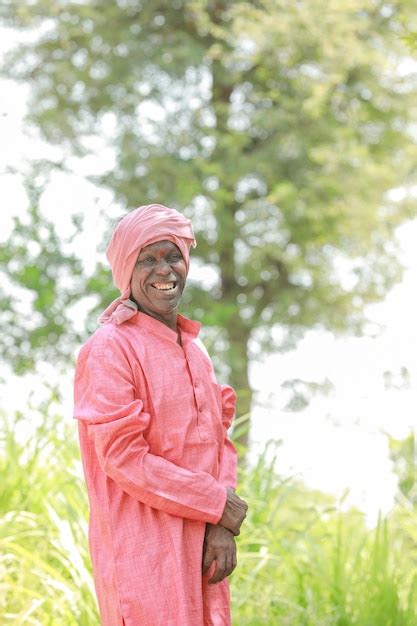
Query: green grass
[(302, 560), (45, 574)]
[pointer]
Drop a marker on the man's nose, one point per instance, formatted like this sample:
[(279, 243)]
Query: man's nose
[(163, 267)]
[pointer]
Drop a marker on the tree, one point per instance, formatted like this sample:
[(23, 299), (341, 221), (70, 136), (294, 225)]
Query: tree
[(403, 453), (279, 127)]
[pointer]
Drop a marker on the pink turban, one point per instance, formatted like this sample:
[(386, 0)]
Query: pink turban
[(145, 225)]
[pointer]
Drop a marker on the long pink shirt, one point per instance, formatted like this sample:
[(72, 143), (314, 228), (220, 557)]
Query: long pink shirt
[(153, 425)]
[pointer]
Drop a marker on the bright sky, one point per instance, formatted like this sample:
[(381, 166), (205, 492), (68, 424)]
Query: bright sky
[(338, 442)]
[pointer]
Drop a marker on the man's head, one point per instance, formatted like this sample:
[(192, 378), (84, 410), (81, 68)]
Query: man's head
[(158, 279), (140, 229)]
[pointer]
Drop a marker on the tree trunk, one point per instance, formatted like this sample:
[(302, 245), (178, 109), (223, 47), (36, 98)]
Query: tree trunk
[(237, 331), (238, 336)]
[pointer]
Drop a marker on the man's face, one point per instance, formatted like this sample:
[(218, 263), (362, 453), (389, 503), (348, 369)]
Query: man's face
[(158, 279)]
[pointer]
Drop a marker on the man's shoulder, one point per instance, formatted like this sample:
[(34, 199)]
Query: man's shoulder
[(197, 341), (107, 337)]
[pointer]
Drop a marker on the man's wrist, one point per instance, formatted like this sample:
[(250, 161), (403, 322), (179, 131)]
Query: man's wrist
[(215, 528), (235, 534)]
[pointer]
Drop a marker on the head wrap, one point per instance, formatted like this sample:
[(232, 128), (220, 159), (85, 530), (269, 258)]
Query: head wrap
[(145, 225)]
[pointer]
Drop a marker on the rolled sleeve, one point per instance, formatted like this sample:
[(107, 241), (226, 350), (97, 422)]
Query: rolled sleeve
[(228, 465)]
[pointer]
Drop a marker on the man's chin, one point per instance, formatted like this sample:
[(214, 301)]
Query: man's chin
[(161, 310)]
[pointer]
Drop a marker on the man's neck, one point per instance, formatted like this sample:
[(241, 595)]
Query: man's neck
[(169, 320)]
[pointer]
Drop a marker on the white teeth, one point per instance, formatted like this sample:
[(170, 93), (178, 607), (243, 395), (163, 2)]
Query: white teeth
[(164, 286)]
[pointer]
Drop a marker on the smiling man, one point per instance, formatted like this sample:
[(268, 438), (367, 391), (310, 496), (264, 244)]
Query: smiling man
[(159, 466), (158, 281)]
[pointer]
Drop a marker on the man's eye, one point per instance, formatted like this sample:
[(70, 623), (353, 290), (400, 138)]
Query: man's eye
[(147, 261)]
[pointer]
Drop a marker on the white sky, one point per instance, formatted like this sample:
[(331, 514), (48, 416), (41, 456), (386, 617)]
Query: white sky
[(337, 443)]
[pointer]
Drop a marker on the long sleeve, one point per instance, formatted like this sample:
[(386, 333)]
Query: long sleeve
[(106, 401), (228, 466)]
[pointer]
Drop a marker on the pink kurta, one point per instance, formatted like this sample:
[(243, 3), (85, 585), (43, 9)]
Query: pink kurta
[(153, 434)]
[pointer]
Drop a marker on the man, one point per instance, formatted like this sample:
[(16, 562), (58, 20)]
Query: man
[(159, 467)]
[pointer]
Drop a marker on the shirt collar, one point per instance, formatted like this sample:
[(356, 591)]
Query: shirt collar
[(188, 326), (153, 325)]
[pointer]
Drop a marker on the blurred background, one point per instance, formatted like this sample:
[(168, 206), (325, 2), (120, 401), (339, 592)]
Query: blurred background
[(287, 132)]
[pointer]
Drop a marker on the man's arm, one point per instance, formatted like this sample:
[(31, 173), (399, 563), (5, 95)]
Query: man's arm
[(219, 543), (106, 402)]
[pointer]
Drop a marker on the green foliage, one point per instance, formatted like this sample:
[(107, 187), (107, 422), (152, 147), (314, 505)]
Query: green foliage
[(303, 391), (45, 568), (278, 127), (403, 454), (303, 561), (49, 281)]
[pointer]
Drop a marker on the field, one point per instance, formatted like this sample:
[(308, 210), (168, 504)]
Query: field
[(303, 561)]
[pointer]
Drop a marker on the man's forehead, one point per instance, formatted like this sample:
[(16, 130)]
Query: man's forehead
[(160, 246)]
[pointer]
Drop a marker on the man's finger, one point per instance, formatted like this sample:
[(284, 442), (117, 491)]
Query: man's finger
[(218, 572), (207, 560), (234, 560), (229, 566), (232, 565), (217, 576)]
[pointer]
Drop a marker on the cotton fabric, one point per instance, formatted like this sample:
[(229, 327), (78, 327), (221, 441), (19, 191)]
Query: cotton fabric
[(139, 228), (152, 424)]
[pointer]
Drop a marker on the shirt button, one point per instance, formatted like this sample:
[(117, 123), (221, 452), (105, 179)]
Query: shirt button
[(196, 385), (200, 408), (203, 437)]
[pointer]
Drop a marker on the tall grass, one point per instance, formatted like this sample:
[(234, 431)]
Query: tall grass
[(302, 560), (45, 575), (306, 562)]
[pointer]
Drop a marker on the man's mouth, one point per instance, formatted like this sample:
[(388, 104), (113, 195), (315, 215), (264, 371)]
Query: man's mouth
[(164, 286)]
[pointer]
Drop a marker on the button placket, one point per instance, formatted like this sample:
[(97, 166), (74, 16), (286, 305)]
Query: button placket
[(201, 406), (200, 402)]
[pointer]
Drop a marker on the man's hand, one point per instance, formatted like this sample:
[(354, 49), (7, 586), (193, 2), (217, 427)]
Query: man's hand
[(234, 512), (219, 546)]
